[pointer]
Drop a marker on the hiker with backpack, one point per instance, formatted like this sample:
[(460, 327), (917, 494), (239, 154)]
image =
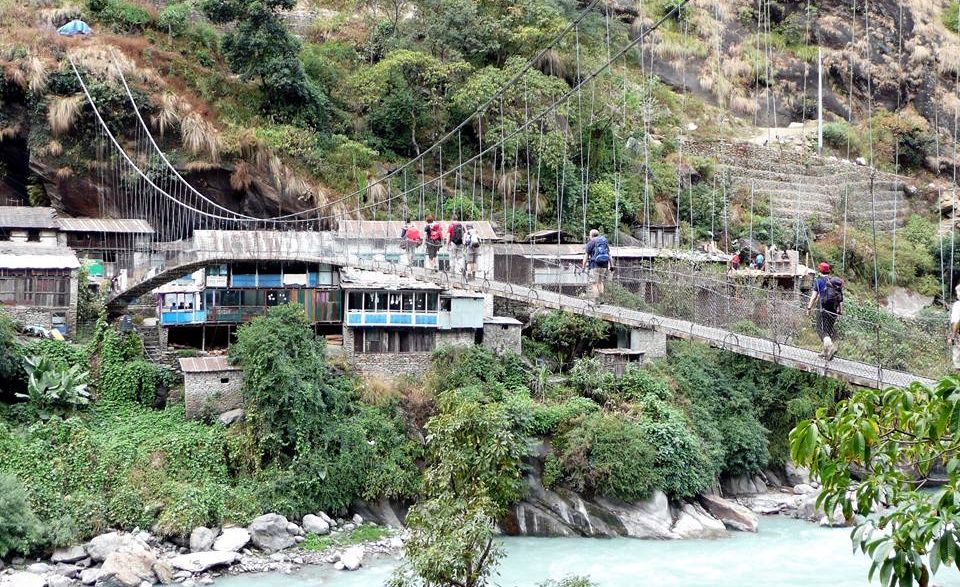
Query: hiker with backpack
[(455, 234), (471, 248), (954, 327), (433, 234), (827, 297), (410, 241), (597, 257)]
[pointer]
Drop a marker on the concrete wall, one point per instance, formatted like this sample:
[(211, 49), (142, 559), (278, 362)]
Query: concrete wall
[(205, 393), (501, 338)]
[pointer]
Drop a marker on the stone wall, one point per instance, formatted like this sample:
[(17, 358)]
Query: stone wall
[(394, 364), (651, 342), (501, 338), (206, 393), (41, 316)]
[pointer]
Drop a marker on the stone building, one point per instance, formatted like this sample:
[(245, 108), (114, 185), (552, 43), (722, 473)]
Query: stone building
[(502, 334), (211, 386), (38, 283), (392, 324)]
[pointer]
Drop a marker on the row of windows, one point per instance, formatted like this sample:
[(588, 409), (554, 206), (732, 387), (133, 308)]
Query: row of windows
[(381, 301), (384, 340), (36, 290)]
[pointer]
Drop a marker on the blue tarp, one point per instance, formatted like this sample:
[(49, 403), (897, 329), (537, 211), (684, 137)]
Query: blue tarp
[(75, 27)]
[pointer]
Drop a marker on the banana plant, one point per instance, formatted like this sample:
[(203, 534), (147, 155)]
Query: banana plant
[(54, 390)]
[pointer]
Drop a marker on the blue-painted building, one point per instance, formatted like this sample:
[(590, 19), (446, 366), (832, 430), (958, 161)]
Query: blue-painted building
[(392, 324)]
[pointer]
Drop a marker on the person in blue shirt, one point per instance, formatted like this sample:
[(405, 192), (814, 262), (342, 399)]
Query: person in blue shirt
[(597, 257)]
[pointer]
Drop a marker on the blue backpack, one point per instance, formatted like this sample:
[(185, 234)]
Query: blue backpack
[(601, 250)]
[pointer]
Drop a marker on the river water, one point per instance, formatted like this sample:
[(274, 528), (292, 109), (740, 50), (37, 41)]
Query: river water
[(784, 553)]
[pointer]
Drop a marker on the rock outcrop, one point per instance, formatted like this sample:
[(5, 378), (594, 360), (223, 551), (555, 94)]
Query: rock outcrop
[(544, 512), (732, 514)]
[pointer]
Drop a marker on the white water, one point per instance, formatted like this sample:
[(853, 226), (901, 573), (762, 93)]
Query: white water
[(784, 553)]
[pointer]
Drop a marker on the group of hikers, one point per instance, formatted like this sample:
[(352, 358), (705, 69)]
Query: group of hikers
[(461, 239)]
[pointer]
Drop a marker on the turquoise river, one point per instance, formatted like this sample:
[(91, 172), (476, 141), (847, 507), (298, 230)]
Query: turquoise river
[(784, 553)]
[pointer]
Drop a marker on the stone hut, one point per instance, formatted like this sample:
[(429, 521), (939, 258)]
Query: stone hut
[(211, 386), (502, 334)]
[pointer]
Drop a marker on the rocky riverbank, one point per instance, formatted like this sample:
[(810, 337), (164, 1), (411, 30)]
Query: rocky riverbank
[(736, 505), (271, 543)]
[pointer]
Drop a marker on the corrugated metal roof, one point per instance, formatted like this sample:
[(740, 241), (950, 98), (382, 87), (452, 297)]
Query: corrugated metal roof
[(33, 256), (27, 217), (390, 229), (353, 278), (120, 225), (206, 364)]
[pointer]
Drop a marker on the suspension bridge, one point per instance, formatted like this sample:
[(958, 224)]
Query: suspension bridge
[(194, 231)]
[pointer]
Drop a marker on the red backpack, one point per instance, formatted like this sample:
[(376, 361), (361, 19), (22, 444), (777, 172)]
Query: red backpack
[(434, 232)]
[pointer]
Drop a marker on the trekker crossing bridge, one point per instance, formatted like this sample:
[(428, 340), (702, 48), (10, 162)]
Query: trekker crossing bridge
[(193, 231)]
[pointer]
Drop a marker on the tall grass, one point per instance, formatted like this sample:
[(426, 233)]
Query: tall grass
[(62, 113)]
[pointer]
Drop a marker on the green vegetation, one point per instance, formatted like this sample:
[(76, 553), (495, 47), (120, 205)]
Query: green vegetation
[(895, 440), (18, 525), (261, 48), (951, 16), (54, 390), (356, 536), (472, 475)]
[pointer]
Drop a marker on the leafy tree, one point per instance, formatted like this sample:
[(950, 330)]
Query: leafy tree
[(473, 474), (260, 47), (19, 527), (323, 448), (403, 96), (894, 440), (288, 391), (569, 334), (456, 29)]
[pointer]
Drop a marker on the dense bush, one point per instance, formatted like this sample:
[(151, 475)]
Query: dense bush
[(608, 454), (570, 335), (10, 354), (174, 18), (121, 15), (52, 389), (19, 527)]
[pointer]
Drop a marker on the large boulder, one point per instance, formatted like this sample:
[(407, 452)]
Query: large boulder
[(59, 581), (198, 562), (694, 522), (101, 546), (269, 533), (352, 558), (23, 579), (795, 475), (71, 554), (129, 568), (733, 515), (90, 576), (232, 540), (202, 539), (315, 525)]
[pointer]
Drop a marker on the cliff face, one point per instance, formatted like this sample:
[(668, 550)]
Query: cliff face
[(897, 55)]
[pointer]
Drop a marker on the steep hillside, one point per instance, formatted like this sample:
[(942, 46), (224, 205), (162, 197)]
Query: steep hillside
[(275, 106)]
